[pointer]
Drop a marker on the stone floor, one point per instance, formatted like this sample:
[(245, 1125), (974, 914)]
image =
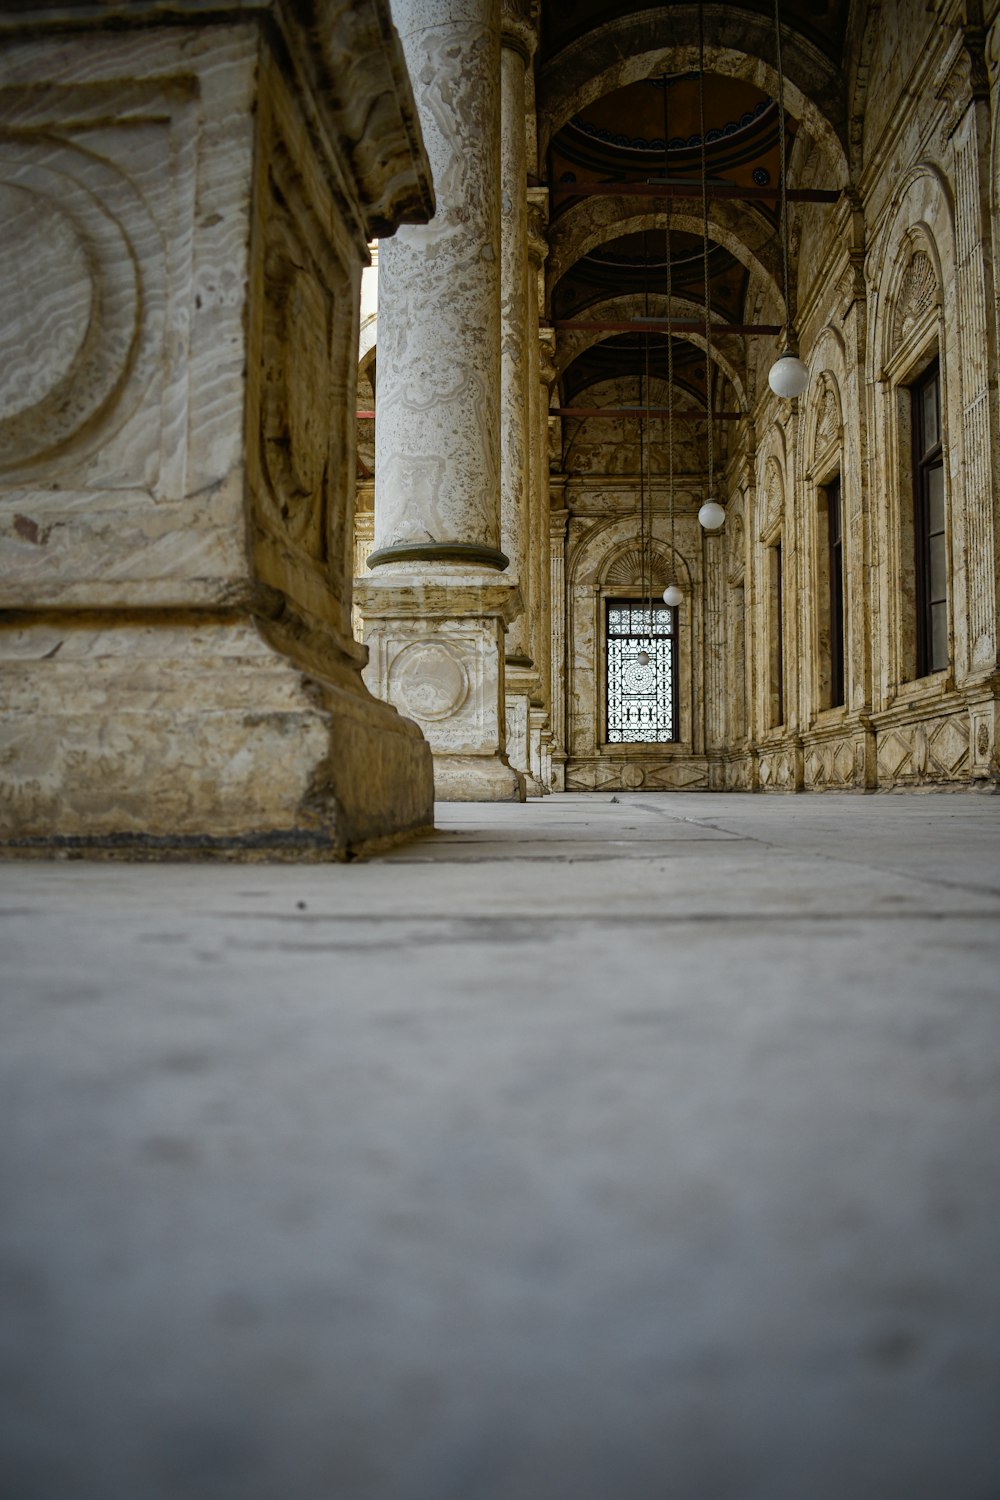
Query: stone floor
[(644, 1149)]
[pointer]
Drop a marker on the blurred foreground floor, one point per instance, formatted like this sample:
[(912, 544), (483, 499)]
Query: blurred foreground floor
[(644, 1149)]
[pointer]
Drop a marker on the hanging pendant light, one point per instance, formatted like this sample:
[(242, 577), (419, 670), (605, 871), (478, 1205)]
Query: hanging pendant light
[(711, 515), (672, 594), (645, 544), (788, 376)]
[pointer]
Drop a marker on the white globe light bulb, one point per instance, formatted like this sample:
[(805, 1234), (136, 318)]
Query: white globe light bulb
[(788, 376), (643, 658), (711, 515), (672, 595)]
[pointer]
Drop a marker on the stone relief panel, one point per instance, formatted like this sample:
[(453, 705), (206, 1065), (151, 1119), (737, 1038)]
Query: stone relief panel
[(771, 499), (81, 305), (739, 774), (616, 773), (916, 294), (122, 352), (828, 419), (296, 370), (776, 769), (933, 749), (832, 764), (83, 309), (446, 681), (429, 680), (303, 401)]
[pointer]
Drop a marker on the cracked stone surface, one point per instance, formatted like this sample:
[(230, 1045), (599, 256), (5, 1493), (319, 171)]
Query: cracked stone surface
[(641, 1148)]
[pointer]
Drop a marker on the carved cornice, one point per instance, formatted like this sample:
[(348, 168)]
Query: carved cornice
[(538, 219), (963, 75), (546, 356), (347, 61)]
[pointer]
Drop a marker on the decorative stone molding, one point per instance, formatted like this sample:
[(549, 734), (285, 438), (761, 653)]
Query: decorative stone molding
[(628, 570), (963, 76), (916, 293), (771, 501), (932, 749), (828, 421), (735, 545)]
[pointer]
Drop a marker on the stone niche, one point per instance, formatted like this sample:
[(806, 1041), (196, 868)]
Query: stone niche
[(187, 193)]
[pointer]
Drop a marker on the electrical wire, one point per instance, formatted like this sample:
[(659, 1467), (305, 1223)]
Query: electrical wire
[(704, 212)]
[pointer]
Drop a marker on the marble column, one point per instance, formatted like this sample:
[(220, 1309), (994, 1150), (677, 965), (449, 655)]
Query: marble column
[(516, 352), (438, 600)]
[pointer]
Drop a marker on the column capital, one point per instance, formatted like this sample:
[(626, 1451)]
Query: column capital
[(538, 219), (519, 26), (546, 356)]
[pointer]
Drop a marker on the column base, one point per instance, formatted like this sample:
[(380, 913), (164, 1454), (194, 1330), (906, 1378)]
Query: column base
[(536, 725), (435, 641), (197, 742), (477, 778), (517, 703)]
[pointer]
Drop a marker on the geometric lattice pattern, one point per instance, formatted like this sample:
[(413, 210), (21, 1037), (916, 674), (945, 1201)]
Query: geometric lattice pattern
[(641, 706)]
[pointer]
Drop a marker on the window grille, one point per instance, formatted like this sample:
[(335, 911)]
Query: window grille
[(642, 695)]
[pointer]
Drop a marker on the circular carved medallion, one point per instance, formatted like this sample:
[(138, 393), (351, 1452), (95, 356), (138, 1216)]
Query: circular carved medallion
[(46, 298), (79, 321), (428, 680)]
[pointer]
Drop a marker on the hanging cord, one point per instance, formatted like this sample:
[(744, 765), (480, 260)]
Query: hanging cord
[(704, 221), (646, 524), (670, 335), (784, 179)]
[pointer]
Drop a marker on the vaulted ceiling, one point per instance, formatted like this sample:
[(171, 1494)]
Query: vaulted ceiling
[(621, 140)]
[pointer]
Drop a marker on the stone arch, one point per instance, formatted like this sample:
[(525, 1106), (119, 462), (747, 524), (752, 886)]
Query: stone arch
[(608, 541), (825, 408), (625, 568), (634, 47), (921, 223), (595, 221), (913, 260), (572, 343), (771, 484)]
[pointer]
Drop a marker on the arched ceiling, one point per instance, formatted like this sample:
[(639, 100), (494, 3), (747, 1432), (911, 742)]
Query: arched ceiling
[(621, 102), (823, 22)]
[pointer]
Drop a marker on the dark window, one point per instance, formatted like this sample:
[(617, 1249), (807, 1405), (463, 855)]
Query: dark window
[(836, 572), (929, 525), (642, 683), (777, 644)]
